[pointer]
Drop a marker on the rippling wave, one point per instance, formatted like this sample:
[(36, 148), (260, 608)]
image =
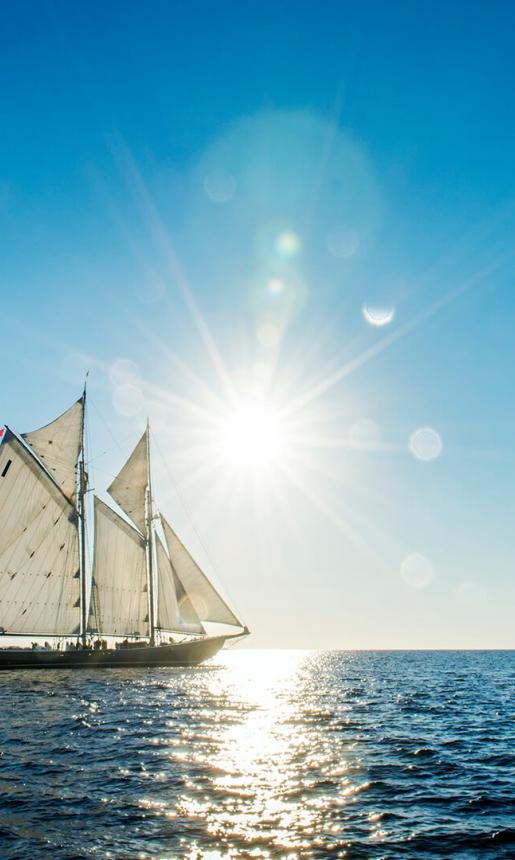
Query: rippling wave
[(263, 754)]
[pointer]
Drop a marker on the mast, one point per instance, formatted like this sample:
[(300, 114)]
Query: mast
[(83, 488), (150, 546)]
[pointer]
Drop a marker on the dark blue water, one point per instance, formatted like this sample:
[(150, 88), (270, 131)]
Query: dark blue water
[(263, 754)]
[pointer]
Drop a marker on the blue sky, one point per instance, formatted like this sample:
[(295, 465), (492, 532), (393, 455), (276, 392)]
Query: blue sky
[(196, 202)]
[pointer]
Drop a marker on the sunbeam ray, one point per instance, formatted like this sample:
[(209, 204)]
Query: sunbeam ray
[(146, 206)]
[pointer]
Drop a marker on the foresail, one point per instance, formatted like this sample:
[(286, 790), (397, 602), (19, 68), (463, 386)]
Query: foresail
[(175, 611), (39, 548), (129, 487), (119, 605), (208, 604), (58, 444)]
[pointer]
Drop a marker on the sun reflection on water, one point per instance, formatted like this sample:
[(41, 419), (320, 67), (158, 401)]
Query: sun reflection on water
[(268, 782)]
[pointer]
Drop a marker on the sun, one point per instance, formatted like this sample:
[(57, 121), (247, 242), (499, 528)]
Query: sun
[(253, 435)]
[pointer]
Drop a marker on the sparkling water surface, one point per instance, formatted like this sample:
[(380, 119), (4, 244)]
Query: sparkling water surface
[(263, 754)]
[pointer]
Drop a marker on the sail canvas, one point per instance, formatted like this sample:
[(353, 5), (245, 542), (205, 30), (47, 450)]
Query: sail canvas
[(39, 548), (175, 610), (58, 444), (208, 603), (129, 487), (119, 605)]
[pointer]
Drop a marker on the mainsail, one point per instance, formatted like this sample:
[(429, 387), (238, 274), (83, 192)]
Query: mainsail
[(119, 605), (58, 444), (208, 604), (174, 608), (39, 547), (129, 487)]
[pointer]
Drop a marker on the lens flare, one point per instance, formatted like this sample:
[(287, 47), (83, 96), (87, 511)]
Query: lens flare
[(128, 399), (425, 444), (287, 244), (219, 186), (417, 570), (378, 315), (276, 286), (123, 371)]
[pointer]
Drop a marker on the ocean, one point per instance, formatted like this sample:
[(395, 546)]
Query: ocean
[(263, 754)]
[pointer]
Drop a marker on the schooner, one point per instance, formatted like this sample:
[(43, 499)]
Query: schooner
[(145, 594)]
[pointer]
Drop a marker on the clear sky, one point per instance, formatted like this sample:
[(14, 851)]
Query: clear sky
[(286, 232)]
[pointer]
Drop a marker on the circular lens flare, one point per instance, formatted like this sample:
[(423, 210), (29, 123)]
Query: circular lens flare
[(378, 316), (417, 570), (219, 186), (425, 444), (275, 286), (287, 244)]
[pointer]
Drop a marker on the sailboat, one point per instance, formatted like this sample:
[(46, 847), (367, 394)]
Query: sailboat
[(144, 602)]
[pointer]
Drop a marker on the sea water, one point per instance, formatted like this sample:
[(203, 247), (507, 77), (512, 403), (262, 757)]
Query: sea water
[(263, 754)]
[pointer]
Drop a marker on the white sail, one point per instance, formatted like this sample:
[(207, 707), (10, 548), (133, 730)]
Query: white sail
[(119, 605), (175, 611), (208, 604), (129, 487), (58, 444), (39, 548)]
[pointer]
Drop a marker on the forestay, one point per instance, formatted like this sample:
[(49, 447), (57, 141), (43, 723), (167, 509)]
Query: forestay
[(208, 604), (119, 591), (39, 548), (129, 487), (175, 611), (58, 444)]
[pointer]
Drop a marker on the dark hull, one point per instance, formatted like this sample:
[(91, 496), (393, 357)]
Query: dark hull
[(181, 654)]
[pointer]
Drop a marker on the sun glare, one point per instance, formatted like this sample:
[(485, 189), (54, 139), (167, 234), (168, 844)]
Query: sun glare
[(253, 435)]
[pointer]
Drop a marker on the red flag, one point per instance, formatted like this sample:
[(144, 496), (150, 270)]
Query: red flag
[(1, 432)]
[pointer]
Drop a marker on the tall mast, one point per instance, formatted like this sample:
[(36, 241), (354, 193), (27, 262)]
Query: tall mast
[(150, 546), (83, 488)]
